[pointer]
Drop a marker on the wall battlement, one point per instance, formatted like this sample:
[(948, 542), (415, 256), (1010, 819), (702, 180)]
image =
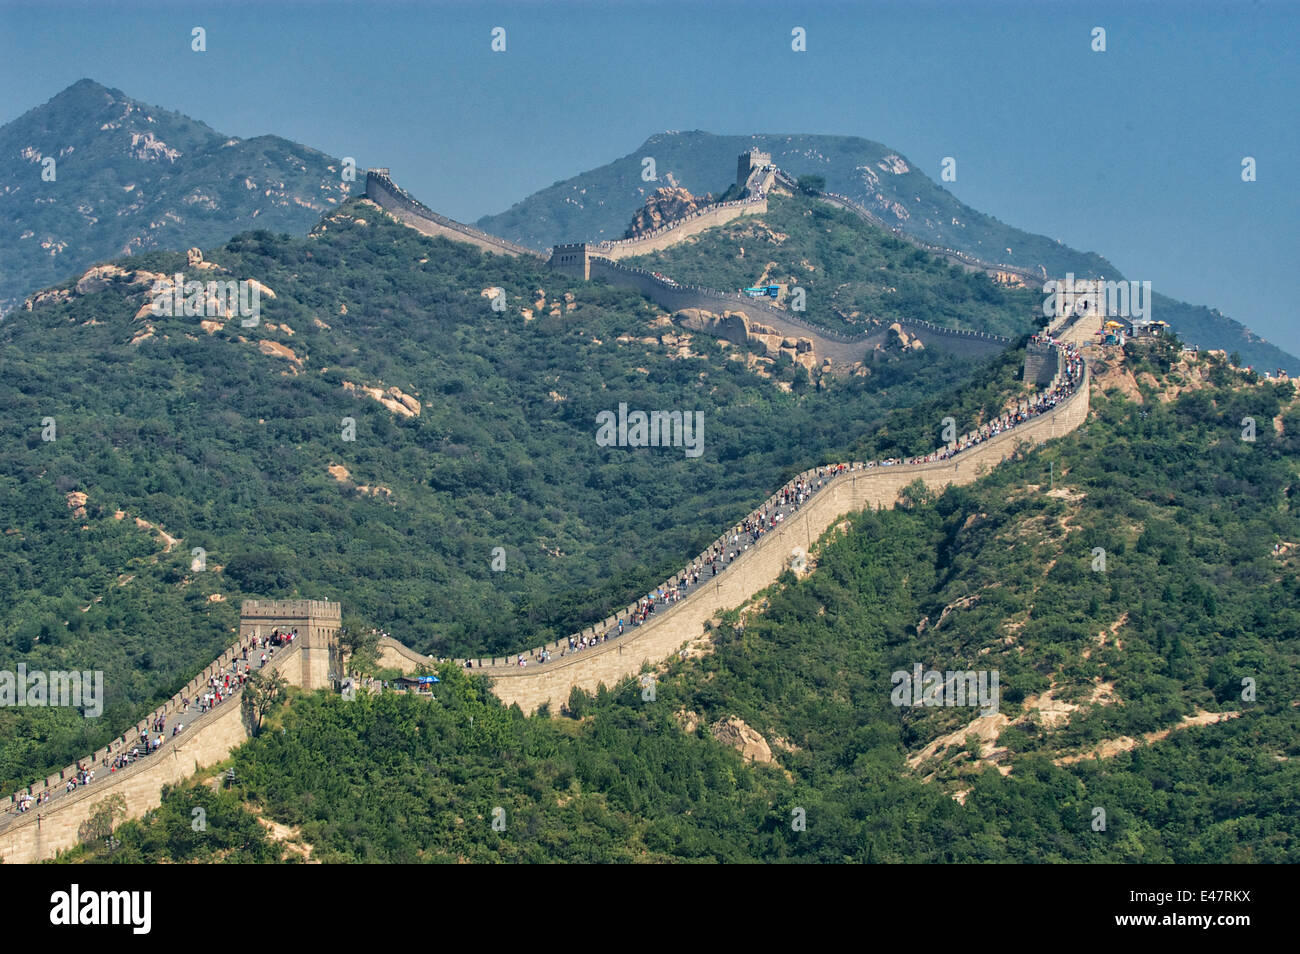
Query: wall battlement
[(290, 609), (385, 193), (857, 488)]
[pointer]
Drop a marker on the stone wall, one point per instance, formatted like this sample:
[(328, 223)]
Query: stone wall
[(970, 263), (395, 655), (757, 568), (1040, 363), (842, 349), (385, 193), (600, 259), (47, 829), (676, 231)]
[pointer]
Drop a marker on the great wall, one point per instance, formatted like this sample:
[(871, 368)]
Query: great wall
[(312, 661), (601, 260), (208, 738), (1002, 272), (859, 487)]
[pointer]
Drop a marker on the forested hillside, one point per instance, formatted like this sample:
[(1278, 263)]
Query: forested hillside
[(1002, 574), (232, 439)]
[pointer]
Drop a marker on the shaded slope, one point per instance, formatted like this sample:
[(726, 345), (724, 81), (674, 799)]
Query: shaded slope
[(130, 177)]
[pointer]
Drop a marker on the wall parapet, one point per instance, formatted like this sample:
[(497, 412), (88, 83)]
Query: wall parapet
[(388, 195), (513, 682)]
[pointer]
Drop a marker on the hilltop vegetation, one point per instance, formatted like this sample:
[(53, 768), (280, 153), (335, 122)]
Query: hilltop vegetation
[(130, 177), (231, 439), (997, 575), (846, 267)]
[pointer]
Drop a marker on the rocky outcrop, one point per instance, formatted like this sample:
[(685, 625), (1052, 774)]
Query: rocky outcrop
[(740, 329), (665, 205), (748, 742), (194, 257), (343, 476), (274, 349), (393, 398), (900, 340)]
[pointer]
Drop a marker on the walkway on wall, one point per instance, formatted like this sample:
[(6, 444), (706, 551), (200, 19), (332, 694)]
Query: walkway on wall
[(392, 198), (1068, 385), (175, 711)]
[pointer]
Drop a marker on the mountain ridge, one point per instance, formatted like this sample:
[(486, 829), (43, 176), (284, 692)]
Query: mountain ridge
[(131, 177), (597, 204)]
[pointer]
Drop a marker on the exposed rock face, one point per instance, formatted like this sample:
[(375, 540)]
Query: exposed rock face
[(276, 350), (261, 289), (664, 206), (393, 399), (900, 340), (101, 277), (341, 474), (730, 326), (740, 329), (195, 258), (748, 742), (98, 278)]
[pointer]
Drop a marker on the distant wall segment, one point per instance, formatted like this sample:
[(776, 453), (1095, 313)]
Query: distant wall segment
[(394, 200), (840, 348)]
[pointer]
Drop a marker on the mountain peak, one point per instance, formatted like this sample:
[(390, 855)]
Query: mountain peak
[(86, 91), (128, 176)]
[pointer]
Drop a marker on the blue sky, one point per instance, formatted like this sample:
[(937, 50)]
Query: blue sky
[(1134, 153)]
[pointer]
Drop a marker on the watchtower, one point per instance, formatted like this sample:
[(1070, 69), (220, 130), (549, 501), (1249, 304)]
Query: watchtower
[(750, 162), (572, 260), (317, 623)]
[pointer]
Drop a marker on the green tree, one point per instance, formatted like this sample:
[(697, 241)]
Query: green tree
[(96, 831), (263, 690), (812, 184)]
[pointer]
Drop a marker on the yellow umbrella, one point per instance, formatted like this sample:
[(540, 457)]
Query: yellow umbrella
[(1113, 324)]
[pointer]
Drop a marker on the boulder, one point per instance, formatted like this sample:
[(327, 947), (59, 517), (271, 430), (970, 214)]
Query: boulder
[(749, 743)]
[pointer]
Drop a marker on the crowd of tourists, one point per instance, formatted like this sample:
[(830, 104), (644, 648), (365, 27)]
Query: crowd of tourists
[(220, 688), (794, 495), (716, 559)]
